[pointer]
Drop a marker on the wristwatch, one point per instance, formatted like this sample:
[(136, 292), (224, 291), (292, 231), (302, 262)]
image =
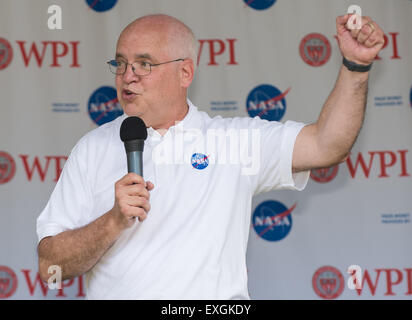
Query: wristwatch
[(352, 66)]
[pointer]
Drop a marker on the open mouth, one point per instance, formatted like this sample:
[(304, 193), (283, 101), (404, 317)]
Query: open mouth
[(128, 95)]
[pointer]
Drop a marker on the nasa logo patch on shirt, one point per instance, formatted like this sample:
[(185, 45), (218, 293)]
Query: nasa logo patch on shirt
[(199, 161)]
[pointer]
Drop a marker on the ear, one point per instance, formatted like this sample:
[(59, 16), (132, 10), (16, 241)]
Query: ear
[(187, 72)]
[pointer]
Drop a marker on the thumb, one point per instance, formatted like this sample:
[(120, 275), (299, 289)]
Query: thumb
[(149, 185), (341, 22)]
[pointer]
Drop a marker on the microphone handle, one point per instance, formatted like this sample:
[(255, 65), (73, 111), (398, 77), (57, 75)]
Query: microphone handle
[(135, 162)]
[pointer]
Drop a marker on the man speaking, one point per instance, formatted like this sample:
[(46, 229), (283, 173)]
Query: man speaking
[(180, 231)]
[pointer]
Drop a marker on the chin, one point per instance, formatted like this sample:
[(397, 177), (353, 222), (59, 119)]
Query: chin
[(131, 110), (134, 113)]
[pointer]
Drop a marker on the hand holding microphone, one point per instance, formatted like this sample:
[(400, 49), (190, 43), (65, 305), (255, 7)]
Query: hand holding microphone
[(132, 199), (132, 192)]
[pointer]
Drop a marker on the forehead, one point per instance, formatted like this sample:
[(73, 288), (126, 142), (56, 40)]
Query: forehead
[(143, 42)]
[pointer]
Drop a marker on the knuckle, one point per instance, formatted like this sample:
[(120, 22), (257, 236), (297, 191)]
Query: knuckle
[(136, 177), (372, 39), (365, 29), (139, 188), (146, 194)]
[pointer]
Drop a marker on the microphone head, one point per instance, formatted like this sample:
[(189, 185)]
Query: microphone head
[(133, 128)]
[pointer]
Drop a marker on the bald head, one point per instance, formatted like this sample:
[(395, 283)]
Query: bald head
[(167, 45), (178, 40)]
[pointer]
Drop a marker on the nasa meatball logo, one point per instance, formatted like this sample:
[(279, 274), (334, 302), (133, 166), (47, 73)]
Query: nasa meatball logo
[(101, 5), (267, 102), (315, 49), (7, 167), (6, 53), (410, 97), (328, 282), (199, 161), (259, 4), (324, 175), (272, 220), (8, 282), (103, 105)]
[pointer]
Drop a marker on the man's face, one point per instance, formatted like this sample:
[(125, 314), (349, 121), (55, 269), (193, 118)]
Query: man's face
[(152, 97)]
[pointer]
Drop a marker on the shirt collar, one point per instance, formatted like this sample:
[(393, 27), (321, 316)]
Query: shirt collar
[(192, 120)]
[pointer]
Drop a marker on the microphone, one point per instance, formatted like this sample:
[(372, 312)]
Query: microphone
[(133, 133)]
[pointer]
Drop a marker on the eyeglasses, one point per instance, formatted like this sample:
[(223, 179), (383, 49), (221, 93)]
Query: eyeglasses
[(139, 68)]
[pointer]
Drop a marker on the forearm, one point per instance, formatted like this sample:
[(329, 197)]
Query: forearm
[(342, 115), (77, 251)]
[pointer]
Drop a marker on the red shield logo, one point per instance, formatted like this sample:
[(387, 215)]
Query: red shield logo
[(324, 175), (7, 167), (6, 53), (8, 282), (315, 49), (328, 282)]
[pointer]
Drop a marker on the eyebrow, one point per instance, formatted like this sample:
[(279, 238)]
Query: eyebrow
[(137, 56)]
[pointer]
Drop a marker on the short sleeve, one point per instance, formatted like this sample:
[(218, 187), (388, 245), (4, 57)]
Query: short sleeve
[(277, 141), (71, 201)]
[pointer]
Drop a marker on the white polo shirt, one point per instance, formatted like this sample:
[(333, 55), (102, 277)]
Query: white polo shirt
[(193, 243)]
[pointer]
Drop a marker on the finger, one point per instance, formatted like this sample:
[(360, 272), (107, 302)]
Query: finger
[(131, 178), (149, 185), (366, 31), (139, 202), (342, 20), (372, 40), (341, 23), (142, 218), (356, 31), (137, 190), (141, 215), (135, 212)]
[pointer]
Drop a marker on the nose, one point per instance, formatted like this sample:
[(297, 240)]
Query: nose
[(129, 75)]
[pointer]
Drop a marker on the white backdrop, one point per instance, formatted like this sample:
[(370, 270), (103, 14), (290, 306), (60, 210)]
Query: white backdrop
[(55, 87)]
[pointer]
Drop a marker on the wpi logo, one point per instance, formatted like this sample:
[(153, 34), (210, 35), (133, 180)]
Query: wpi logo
[(324, 175), (266, 102), (216, 48), (272, 220), (328, 282), (8, 282), (103, 105), (259, 4), (6, 53), (315, 49), (31, 284), (7, 167), (101, 5), (199, 161)]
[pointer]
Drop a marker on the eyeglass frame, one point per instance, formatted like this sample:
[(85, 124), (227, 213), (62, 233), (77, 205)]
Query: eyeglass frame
[(133, 68)]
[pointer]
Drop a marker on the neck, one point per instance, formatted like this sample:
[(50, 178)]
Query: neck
[(179, 115)]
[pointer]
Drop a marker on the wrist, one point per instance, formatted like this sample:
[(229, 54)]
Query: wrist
[(116, 221), (356, 67)]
